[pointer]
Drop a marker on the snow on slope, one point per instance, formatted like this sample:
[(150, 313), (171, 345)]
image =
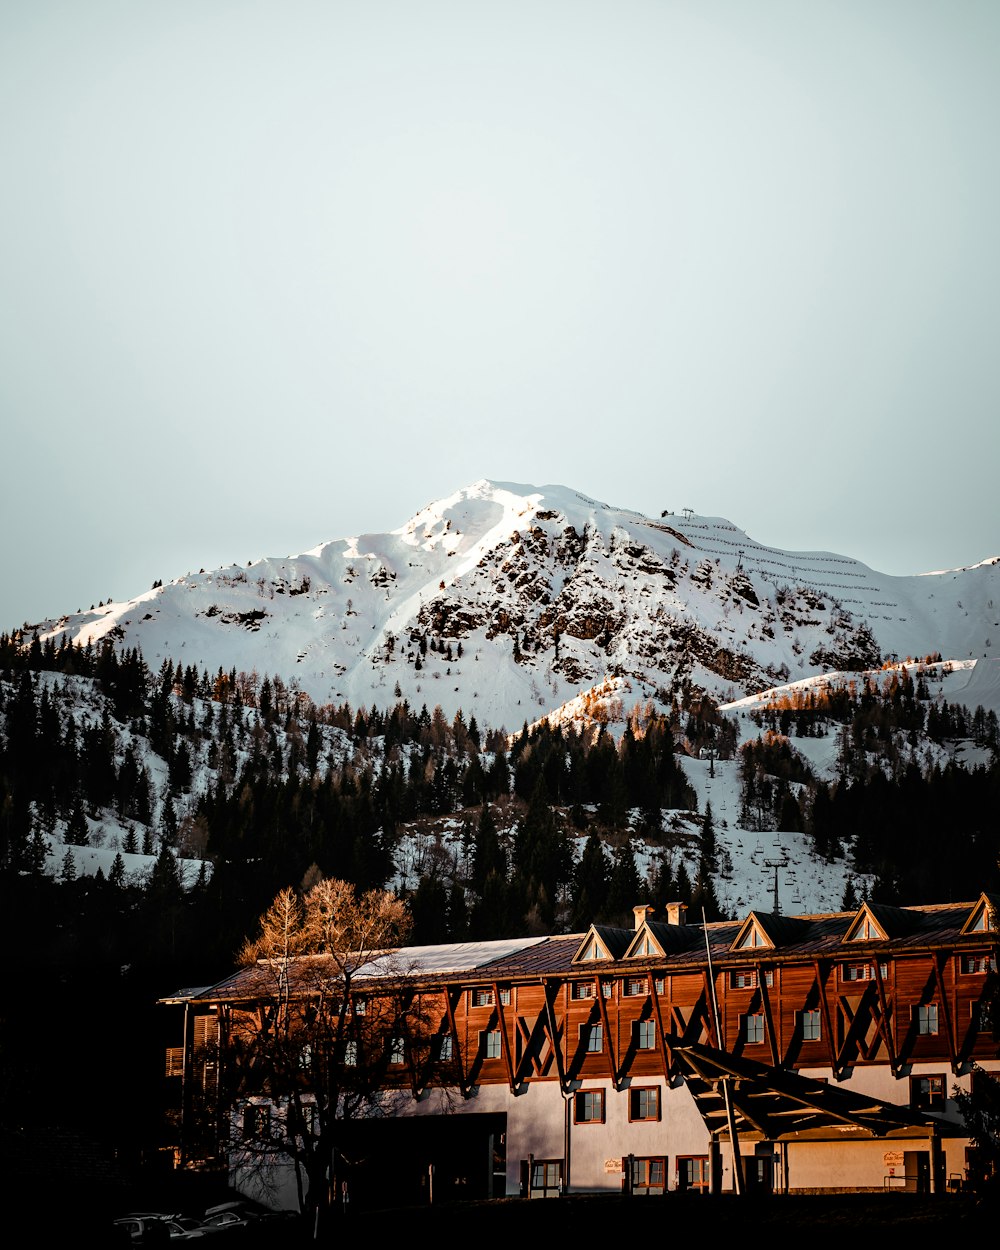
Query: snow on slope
[(508, 600)]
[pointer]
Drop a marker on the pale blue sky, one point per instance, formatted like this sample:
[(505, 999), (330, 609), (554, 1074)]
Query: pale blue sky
[(275, 273)]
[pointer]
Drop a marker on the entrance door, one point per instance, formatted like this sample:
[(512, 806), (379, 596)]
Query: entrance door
[(917, 1166)]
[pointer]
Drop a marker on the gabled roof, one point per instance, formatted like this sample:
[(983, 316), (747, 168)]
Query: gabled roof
[(655, 938), (603, 943), (773, 1104), (752, 935), (878, 922), (983, 917)]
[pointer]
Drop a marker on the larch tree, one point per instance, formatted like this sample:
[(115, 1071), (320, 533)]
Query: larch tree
[(327, 1031)]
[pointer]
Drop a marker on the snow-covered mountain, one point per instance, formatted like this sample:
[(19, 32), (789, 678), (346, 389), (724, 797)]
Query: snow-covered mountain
[(508, 601)]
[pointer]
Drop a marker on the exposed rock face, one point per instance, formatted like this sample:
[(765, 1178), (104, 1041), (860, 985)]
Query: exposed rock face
[(507, 601)]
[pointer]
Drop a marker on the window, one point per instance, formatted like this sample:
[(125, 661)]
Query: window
[(648, 1176), (863, 972), (397, 1050), (546, 1178), (360, 1006), (606, 988), (350, 1054), (743, 979), (633, 986), (588, 1106), (482, 996), (592, 1038), (490, 1043), (927, 1019), (306, 1057), (927, 1093), (257, 1122), (811, 1026), (659, 985), (582, 989), (982, 1015), (978, 961), (692, 1172), (753, 1028), (644, 1102), (645, 1034), (505, 996), (443, 1046)]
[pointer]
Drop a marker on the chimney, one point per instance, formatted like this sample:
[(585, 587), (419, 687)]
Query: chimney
[(642, 912), (677, 913)]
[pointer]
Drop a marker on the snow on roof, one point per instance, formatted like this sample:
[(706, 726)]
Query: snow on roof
[(449, 957)]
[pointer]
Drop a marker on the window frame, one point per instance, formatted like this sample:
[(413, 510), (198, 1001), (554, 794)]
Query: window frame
[(444, 1047), (927, 1019), (644, 1034), (700, 1181), (976, 963), (648, 1185), (934, 1098), (592, 1037), (813, 1030), (631, 987), (589, 1106), (648, 1095), (488, 1046), (759, 1027), (582, 991)]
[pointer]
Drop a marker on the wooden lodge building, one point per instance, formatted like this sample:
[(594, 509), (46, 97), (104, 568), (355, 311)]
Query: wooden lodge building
[(826, 1047)]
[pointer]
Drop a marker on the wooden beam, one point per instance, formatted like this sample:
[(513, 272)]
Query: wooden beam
[(946, 1011), (824, 1002), (610, 1049), (709, 999), (768, 1016), (504, 1039), (551, 989), (453, 995), (885, 1024), (665, 1052)]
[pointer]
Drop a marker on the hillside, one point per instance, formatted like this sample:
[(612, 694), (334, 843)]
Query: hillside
[(508, 601)]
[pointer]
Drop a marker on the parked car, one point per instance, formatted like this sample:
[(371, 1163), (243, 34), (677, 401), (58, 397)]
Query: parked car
[(185, 1228), (146, 1228)]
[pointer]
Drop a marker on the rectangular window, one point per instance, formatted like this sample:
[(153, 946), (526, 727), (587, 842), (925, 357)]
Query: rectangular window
[(692, 1172), (592, 1038), (645, 1034), (978, 961), (855, 972), (257, 1122), (644, 1102), (634, 986), (360, 1006), (927, 1093), (582, 989), (982, 1015), (753, 1028), (546, 1178), (743, 979), (927, 1019), (606, 988), (659, 985), (811, 1025), (648, 1176), (397, 1050), (482, 996), (490, 1043), (443, 1046), (350, 1054), (588, 1106), (505, 996)]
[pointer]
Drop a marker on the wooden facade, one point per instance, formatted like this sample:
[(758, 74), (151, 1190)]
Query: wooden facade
[(826, 1047)]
